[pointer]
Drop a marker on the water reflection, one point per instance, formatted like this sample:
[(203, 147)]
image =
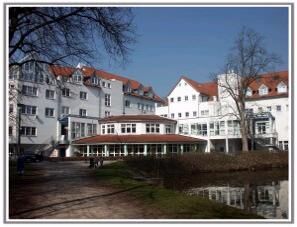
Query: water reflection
[(269, 201), (264, 193)]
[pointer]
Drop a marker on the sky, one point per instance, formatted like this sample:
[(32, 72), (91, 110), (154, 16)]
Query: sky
[(194, 41)]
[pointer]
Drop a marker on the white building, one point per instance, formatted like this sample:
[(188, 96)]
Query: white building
[(60, 104), (137, 135), (62, 107), (206, 111)]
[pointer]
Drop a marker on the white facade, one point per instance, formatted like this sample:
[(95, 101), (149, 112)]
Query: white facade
[(208, 112), (58, 106)]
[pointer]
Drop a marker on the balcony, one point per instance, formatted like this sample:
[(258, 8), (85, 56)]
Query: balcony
[(266, 135)]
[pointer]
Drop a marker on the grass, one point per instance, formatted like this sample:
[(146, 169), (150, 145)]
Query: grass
[(172, 204)]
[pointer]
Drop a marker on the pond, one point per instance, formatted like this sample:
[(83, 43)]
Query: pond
[(263, 192)]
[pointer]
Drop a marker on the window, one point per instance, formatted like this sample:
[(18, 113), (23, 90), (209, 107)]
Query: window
[(262, 127), (194, 113), (152, 128), (172, 115), (268, 108), (139, 106), (193, 97), (186, 98), (280, 145), (103, 129), (107, 100), (77, 78), (249, 92), (28, 71), (263, 90), (29, 110), (49, 112), (92, 129), (183, 129), (10, 130), (128, 128), (179, 115), (127, 103), (168, 129), (10, 108), (49, 94), (103, 84), (171, 99), (110, 129), (66, 92), (187, 114), (29, 66), (278, 108), (204, 112), (77, 130), (108, 85), (28, 90), (281, 87), (287, 107), (95, 80), (233, 127), (82, 112), (83, 95), (260, 109), (107, 113), (28, 131), (65, 110), (178, 99)]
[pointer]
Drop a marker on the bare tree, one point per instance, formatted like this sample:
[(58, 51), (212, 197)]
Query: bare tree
[(66, 35), (247, 60)]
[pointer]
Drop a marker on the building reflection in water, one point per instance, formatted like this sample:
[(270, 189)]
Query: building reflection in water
[(269, 201)]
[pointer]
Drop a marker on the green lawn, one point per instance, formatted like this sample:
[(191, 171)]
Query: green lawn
[(173, 204)]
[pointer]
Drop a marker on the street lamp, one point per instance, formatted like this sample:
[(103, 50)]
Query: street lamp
[(19, 105)]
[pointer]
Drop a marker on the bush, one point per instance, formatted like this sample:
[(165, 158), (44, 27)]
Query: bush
[(189, 163)]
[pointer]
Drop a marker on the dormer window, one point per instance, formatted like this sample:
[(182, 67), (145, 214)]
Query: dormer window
[(249, 92), (281, 87), (263, 90), (95, 80), (76, 78)]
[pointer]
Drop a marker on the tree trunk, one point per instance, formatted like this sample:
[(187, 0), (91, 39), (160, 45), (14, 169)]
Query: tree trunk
[(244, 141), (244, 133)]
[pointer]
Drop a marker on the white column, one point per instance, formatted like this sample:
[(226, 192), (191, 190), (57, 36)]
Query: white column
[(88, 150), (181, 148), (145, 150), (125, 150), (106, 151), (164, 148), (228, 196), (227, 145)]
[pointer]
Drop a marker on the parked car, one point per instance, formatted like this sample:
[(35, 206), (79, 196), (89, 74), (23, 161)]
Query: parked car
[(33, 157)]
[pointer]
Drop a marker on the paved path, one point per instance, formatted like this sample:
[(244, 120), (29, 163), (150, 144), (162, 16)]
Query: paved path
[(70, 190)]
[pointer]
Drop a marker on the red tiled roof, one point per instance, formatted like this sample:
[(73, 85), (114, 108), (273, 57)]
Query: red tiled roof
[(208, 89), (152, 138), (136, 118), (270, 80), (58, 70), (154, 98)]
